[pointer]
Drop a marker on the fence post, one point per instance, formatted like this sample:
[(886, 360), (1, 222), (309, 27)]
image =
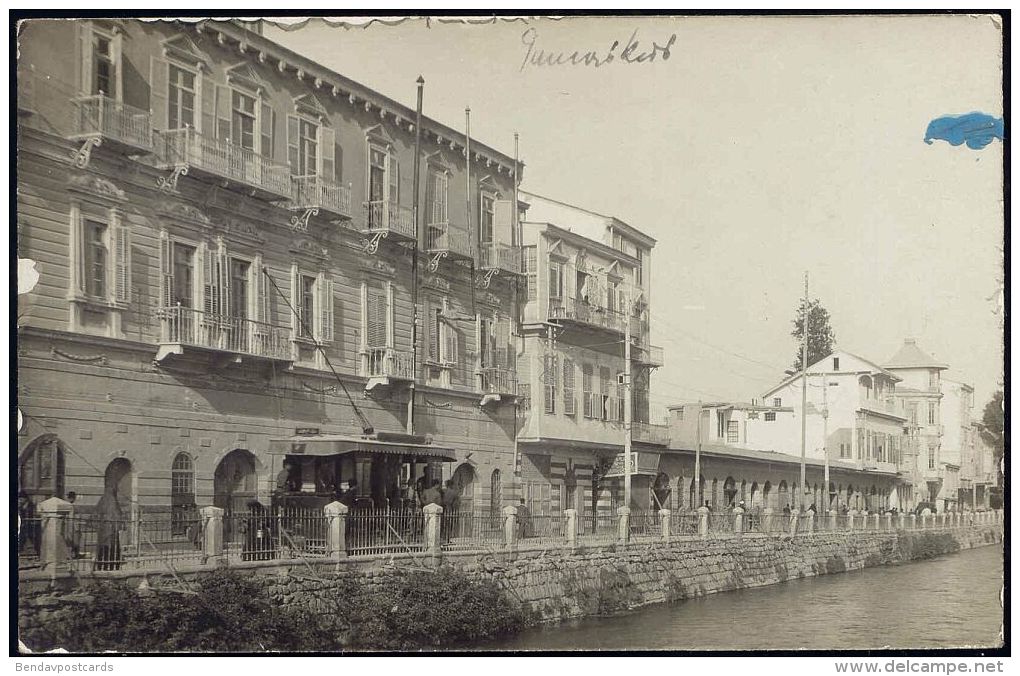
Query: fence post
[(913, 521), (624, 524), (336, 530), (509, 526), (703, 521), (571, 527), (664, 524), (794, 519), (54, 514), (850, 516), (876, 515), (925, 515), (888, 520), (738, 521), (809, 521), (433, 529), (766, 520), (212, 533)]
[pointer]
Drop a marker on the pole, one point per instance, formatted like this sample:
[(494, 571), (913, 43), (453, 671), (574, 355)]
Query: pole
[(825, 438), (467, 174), (803, 399), (518, 347), (627, 413), (414, 259), (697, 465)]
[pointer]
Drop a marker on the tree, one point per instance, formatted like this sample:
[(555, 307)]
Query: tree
[(993, 425), (821, 337)]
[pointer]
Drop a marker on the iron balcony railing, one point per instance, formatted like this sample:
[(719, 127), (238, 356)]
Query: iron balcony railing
[(391, 363), (314, 192), (649, 433), (499, 380), (187, 326), (499, 256), (441, 236), (99, 116), (187, 147), (579, 310), (651, 355), (389, 218)]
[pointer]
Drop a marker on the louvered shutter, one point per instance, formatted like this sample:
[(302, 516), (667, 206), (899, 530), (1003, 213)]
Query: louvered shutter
[(327, 153), (297, 311), (207, 120), (78, 250), (84, 34), (121, 260), (223, 107), (502, 342), (293, 139), (223, 264), (451, 343), (210, 279), (432, 330), (532, 263), (502, 221), (159, 70), (166, 269), (267, 119), (394, 179), (261, 292), (325, 284), (376, 314)]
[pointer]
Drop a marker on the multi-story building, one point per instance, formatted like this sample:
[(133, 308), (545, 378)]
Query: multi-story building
[(587, 279), (956, 409), (978, 473), (230, 270), (920, 395)]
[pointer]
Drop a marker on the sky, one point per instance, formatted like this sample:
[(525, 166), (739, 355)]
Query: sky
[(761, 149)]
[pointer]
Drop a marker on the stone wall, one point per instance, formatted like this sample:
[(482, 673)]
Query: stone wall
[(558, 584)]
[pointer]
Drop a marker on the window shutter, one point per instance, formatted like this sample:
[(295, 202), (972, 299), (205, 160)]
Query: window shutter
[(293, 138), (431, 330), (207, 93), (223, 107), (223, 264), (502, 221), (159, 73), (502, 340), (325, 308), (121, 259), (327, 153), (261, 291), (166, 268), (210, 279), (532, 263), (84, 31), (295, 300), (376, 313), (394, 179), (77, 251), (450, 342), (554, 281), (267, 117)]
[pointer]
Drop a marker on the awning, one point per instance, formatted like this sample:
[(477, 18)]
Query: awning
[(338, 444)]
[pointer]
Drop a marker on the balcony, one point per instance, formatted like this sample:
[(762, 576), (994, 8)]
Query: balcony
[(648, 433), (386, 219), (184, 327), (578, 311), (386, 366), (498, 384), (500, 257), (101, 120), (185, 150), (442, 240), (314, 194), (647, 355), (882, 406)]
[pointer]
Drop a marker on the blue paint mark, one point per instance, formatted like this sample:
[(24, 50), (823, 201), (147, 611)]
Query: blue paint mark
[(975, 129)]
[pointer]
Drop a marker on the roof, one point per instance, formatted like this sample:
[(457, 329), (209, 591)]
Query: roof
[(735, 405), (910, 356), (875, 368), (611, 221), (773, 456)]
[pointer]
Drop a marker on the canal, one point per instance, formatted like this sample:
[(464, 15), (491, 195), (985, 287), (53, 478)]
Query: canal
[(951, 601)]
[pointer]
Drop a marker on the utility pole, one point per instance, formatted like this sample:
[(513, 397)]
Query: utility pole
[(803, 398), (825, 439), (414, 259), (626, 407), (697, 464)]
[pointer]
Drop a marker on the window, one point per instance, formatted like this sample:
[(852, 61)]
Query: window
[(104, 66), (555, 280), (720, 425), (933, 380), (678, 413), (437, 196), (377, 318), (569, 403), (487, 218), (770, 416), (307, 149), (835, 363), (95, 259), (932, 418), (181, 110), (777, 402), (607, 408), (931, 457), (639, 271), (587, 376), (306, 306), (242, 127), (312, 297), (732, 432), (495, 496), (913, 414), (549, 377), (531, 271), (239, 271), (182, 285), (182, 494)]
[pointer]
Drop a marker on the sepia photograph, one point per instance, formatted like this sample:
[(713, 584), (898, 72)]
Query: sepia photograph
[(510, 335)]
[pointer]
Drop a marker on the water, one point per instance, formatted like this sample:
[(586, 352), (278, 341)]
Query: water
[(951, 601)]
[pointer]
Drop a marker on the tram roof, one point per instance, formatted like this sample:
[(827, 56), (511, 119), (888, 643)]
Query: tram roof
[(339, 444)]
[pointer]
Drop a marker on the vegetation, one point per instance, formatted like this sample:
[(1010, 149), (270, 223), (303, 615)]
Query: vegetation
[(821, 338), (233, 612)]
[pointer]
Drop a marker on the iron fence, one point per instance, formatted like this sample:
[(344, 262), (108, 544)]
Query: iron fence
[(103, 117), (598, 527), (385, 531), (95, 543), (316, 192), (181, 325), (645, 524), (472, 530), (684, 523)]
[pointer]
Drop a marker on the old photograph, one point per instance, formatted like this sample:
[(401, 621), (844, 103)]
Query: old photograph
[(512, 334)]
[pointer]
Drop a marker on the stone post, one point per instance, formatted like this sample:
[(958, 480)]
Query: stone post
[(53, 514), (809, 521), (888, 521), (851, 516), (624, 524), (766, 520), (212, 533), (738, 521), (794, 521), (926, 519), (336, 530), (433, 529), (510, 526), (664, 515), (571, 527), (876, 515), (703, 521), (913, 521), (902, 520)]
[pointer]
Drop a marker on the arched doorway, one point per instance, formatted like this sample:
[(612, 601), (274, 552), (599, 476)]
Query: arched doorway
[(660, 494), (755, 498), (182, 493), (118, 481), (743, 491), (766, 494), (235, 482), (831, 502), (41, 469), (463, 480), (783, 496), (729, 491), (495, 494)]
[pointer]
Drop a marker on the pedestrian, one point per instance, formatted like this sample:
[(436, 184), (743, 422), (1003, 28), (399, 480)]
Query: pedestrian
[(786, 510), (523, 520), (28, 527), (258, 540), (433, 495), (110, 521), (74, 531), (812, 508)]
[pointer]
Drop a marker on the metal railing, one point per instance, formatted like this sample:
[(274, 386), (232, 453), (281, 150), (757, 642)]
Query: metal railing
[(381, 216), (598, 527), (101, 116), (649, 433), (389, 362), (95, 543), (187, 147), (181, 325), (498, 380), (258, 534), (385, 531), (500, 256), (579, 310), (316, 192), (444, 237), (472, 530), (648, 354)]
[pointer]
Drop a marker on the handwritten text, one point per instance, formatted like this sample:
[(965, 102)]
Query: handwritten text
[(632, 52)]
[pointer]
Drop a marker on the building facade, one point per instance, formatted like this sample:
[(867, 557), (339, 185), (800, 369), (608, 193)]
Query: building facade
[(230, 272)]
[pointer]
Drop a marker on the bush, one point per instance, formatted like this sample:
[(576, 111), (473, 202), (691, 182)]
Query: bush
[(234, 613)]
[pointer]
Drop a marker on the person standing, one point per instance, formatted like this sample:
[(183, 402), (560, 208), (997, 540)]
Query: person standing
[(523, 520), (110, 521)]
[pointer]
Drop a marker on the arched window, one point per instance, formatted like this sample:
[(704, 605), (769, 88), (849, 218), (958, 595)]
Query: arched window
[(755, 498), (495, 494), (182, 494), (766, 492), (730, 491)]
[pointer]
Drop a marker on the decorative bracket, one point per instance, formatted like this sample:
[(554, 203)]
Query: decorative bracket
[(169, 183), (372, 245), (301, 222), (486, 279), (434, 262), (82, 156)]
